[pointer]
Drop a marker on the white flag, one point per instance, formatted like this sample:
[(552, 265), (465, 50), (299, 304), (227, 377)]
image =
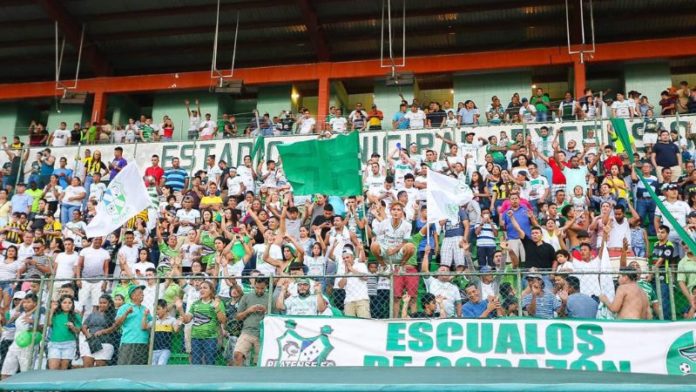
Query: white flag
[(444, 197), (124, 198)]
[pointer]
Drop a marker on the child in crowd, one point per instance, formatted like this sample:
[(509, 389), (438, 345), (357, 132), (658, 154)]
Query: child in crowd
[(165, 328), (590, 142), (486, 234), (451, 121), (639, 237), (579, 200)]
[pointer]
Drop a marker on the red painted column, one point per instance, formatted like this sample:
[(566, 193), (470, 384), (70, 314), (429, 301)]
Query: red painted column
[(99, 106), (323, 98), (580, 78)]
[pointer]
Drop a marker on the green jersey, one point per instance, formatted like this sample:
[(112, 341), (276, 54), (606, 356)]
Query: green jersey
[(649, 291), (167, 253), (60, 331), (205, 322), (415, 240)]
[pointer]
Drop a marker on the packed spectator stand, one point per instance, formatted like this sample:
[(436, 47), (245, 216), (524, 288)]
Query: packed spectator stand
[(190, 279)]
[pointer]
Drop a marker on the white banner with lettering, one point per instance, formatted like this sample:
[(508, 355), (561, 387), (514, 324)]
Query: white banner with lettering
[(611, 346)]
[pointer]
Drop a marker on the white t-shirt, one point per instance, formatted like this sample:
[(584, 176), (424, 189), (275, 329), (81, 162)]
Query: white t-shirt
[(194, 123), (73, 191), (60, 137), (390, 236), (247, 177), (65, 265), (623, 109), (9, 271), (207, 128), (231, 270), (447, 290), (96, 191), (528, 113), (234, 185), (338, 124), (93, 265), (299, 306), (416, 119), (24, 252), (72, 225), (130, 253), (679, 210), (306, 125), (374, 183), (189, 216), (356, 288), (470, 149)]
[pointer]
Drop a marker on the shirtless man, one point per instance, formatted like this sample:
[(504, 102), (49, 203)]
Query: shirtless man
[(630, 302)]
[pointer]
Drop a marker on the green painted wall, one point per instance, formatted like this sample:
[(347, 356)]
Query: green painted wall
[(173, 106), (691, 78), (311, 103), (16, 117), (339, 95), (648, 79), (122, 108), (70, 114), (8, 119), (274, 99), (481, 87)]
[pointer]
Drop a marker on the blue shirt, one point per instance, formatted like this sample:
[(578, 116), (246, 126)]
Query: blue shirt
[(472, 310), (120, 163), (63, 180), (581, 306), (132, 331), (522, 219), (21, 203), (421, 245), (402, 121), (545, 305), (175, 178), (456, 229)]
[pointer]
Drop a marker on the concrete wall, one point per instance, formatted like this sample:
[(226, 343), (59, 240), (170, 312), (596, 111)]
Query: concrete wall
[(274, 99), (70, 114), (648, 79)]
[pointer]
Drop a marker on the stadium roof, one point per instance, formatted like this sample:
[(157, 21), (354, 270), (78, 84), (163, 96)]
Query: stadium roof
[(129, 37)]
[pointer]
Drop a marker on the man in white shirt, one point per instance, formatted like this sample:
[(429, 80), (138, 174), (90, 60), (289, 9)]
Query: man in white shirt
[(208, 128), (235, 183), (213, 171), (64, 266), (338, 123), (679, 210), (92, 268), (75, 228), (247, 173), (307, 124), (60, 137), (303, 303), (188, 217), (357, 300), (621, 108), (416, 117)]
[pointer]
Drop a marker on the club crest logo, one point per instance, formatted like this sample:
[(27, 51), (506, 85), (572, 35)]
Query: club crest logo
[(115, 201), (295, 350), (681, 357)]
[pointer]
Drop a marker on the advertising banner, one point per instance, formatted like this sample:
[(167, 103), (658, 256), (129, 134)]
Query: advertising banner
[(192, 153), (609, 346)]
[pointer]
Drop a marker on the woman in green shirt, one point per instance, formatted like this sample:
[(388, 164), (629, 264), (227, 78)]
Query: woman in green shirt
[(208, 315), (65, 326)]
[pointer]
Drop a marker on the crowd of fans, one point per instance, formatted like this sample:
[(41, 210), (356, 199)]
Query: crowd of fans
[(223, 246), (414, 115)]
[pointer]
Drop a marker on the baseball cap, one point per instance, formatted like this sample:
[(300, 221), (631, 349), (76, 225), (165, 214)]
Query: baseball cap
[(583, 234), (19, 295), (485, 269), (303, 281), (525, 100), (133, 288), (670, 187), (533, 274), (692, 214)]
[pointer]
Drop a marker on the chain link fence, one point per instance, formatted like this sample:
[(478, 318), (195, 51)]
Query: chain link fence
[(199, 319)]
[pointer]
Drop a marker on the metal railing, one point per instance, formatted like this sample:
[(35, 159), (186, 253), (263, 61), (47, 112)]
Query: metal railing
[(173, 325)]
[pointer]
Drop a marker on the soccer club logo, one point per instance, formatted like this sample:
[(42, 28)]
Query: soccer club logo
[(115, 201), (297, 351), (681, 357)]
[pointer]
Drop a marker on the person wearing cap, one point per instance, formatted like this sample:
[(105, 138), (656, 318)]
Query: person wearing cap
[(374, 118), (194, 119), (134, 320), (303, 303)]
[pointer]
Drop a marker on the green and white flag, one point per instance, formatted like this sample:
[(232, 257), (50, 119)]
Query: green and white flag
[(444, 197), (124, 198)]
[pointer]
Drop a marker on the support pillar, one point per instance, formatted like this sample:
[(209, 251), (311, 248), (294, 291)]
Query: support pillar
[(99, 106), (324, 94), (580, 76)]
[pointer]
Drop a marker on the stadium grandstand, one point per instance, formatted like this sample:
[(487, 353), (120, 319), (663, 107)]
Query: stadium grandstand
[(230, 194)]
